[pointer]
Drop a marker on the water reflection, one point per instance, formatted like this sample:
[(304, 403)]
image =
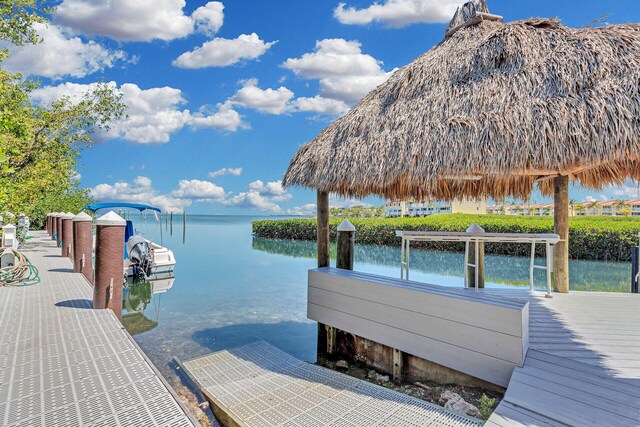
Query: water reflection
[(500, 270), (141, 301)]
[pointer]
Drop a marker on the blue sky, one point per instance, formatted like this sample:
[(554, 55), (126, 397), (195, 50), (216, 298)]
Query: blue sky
[(222, 94)]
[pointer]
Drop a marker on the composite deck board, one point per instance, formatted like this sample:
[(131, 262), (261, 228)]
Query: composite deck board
[(583, 363), (63, 363)]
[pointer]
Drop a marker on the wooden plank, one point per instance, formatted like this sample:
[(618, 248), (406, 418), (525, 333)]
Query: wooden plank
[(436, 303), (468, 337), (488, 368), (560, 408), (466, 294), (584, 389), (578, 405), (509, 415)]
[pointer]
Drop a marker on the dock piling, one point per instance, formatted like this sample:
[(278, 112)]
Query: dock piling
[(67, 235), (60, 230), (107, 291), (54, 226), (83, 246)]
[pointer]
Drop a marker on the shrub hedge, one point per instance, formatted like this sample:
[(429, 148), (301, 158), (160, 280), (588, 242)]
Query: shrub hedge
[(592, 238)]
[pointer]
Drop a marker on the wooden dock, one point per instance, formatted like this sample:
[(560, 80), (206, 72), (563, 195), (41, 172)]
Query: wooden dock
[(63, 363), (583, 363), (257, 385)]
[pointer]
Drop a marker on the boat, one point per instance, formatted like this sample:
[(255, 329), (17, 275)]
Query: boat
[(143, 257)]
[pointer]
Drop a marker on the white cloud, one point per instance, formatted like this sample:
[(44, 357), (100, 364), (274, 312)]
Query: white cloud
[(398, 13), (626, 191), (60, 55), (269, 101), (221, 52), (345, 73), (199, 190), (321, 105), (223, 117), (208, 18), (225, 171), (261, 196), (305, 210), (126, 20), (141, 191), (153, 114), (336, 201)]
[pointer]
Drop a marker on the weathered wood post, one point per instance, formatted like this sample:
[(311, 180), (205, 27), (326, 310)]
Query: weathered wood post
[(67, 235), (184, 226), (346, 245), (107, 291), (60, 230), (635, 268), (83, 246), (471, 259), (171, 225), (561, 228), (54, 226), (323, 257)]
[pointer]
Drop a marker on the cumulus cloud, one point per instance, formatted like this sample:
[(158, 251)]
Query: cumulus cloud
[(269, 101), (225, 171), (626, 191), (221, 52), (345, 73), (153, 114), (60, 55), (305, 210), (222, 117), (398, 13), (141, 190), (261, 196), (208, 18), (140, 20), (321, 105), (199, 190), (336, 201)]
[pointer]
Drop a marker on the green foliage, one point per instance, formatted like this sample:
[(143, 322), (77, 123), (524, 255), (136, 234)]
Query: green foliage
[(486, 406), (590, 238), (40, 145), (357, 212)]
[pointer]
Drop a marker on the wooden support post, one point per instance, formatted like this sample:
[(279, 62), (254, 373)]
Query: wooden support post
[(323, 257), (323, 229), (331, 339), (471, 274), (171, 224), (346, 245), (561, 228), (397, 365)]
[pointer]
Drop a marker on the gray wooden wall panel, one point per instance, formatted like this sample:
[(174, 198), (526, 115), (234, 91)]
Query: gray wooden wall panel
[(485, 339)]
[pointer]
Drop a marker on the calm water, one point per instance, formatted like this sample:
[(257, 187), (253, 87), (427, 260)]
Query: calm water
[(230, 288)]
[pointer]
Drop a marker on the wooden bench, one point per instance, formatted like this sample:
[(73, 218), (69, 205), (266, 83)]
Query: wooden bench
[(484, 336)]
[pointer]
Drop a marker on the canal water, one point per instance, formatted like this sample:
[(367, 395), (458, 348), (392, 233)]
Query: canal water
[(231, 288)]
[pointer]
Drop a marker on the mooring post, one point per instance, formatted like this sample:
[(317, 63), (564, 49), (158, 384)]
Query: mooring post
[(60, 230), (635, 268), (47, 223), (83, 246), (67, 235), (477, 261), (344, 260), (54, 226), (171, 225), (184, 226), (107, 291)]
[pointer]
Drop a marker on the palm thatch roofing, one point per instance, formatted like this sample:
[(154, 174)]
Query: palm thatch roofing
[(492, 110)]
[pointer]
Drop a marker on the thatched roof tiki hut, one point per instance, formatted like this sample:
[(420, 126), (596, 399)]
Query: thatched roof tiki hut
[(494, 110)]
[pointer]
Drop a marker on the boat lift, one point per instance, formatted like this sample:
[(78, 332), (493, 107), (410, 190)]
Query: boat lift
[(474, 235)]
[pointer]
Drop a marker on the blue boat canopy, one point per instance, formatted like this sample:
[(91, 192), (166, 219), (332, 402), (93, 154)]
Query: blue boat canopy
[(97, 206)]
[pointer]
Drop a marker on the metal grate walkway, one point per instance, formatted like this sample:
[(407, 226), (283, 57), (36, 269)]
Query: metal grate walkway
[(65, 364), (258, 385)]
